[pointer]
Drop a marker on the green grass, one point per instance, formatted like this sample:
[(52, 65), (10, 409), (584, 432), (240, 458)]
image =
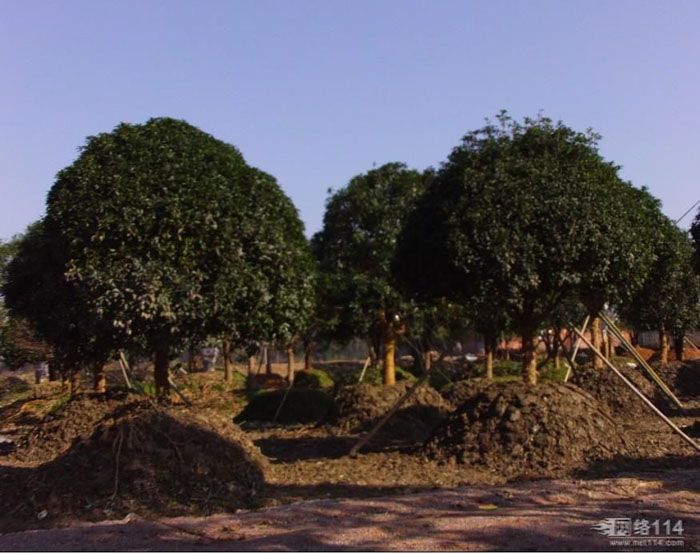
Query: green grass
[(58, 404), (313, 379)]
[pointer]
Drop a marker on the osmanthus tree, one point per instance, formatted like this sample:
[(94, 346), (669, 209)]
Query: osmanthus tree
[(272, 298), (519, 217), (695, 234), (171, 236), (36, 291), (354, 250), (669, 300)]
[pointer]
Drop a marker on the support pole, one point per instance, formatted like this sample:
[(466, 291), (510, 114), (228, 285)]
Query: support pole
[(572, 360), (641, 361), (690, 343), (636, 391), (395, 408), (364, 369)]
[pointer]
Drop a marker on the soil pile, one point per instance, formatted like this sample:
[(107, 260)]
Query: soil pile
[(138, 458), (461, 391), (683, 378), (359, 407), (290, 406), (606, 387), (515, 429)]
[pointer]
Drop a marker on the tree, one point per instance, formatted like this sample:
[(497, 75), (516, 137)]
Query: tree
[(354, 251), (520, 217), (695, 234), (668, 301), (172, 238), (36, 291)]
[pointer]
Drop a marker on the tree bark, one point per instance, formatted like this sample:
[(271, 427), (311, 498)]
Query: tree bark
[(54, 373), (679, 347), (226, 352), (268, 361), (160, 370), (251, 372), (290, 364), (99, 378), (389, 354), (190, 360), (490, 350), (596, 340), (529, 358), (372, 355), (663, 345), (427, 360)]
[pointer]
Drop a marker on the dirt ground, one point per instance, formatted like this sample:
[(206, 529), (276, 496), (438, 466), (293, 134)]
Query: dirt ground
[(397, 497)]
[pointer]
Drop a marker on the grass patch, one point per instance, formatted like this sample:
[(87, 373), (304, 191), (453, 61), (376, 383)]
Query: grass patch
[(58, 404), (313, 379)]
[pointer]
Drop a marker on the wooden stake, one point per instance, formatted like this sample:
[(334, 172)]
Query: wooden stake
[(632, 350), (572, 361), (638, 393), (364, 440), (364, 368)]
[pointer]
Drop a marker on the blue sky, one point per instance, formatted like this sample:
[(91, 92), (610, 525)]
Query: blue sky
[(315, 92)]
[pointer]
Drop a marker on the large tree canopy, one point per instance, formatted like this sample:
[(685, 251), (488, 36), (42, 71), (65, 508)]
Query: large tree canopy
[(668, 301), (519, 217), (355, 248), (172, 237)]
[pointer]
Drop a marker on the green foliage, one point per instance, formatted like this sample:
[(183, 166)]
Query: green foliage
[(300, 406), (59, 403), (356, 245), (373, 376), (695, 234), (522, 216), (173, 238), (56, 311), (671, 293), (312, 379)]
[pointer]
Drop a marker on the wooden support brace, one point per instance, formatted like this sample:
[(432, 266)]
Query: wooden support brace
[(636, 391)]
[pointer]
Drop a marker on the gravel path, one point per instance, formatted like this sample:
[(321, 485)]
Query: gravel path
[(535, 515)]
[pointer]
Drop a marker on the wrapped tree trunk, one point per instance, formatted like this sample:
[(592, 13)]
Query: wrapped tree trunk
[(389, 357), (290, 364), (529, 358), (99, 377), (226, 351), (251, 372), (73, 381), (596, 340), (490, 344), (268, 361), (160, 371), (678, 346), (663, 345), (428, 359)]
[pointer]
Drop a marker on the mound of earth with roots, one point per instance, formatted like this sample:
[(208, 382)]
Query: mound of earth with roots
[(605, 386), (359, 407), (519, 429), (138, 458)]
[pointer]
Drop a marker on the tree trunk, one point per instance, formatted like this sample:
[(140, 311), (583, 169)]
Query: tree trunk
[(308, 357), (226, 352), (290, 364), (74, 381), (372, 355), (427, 360), (529, 358), (99, 378), (190, 360), (160, 370), (268, 361), (251, 372), (490, 349), (389, 353), (678, 346), (596, 340), (54, 373), (663, 345)]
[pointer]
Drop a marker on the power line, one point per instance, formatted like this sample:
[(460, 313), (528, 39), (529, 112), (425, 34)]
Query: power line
[(687, 211)]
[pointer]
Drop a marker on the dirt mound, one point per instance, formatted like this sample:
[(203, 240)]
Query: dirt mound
[(297, 406), (514, 428), (461, 391), (143, 459), (609, 390), (683, 378), (358, 407), (66, 422)]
